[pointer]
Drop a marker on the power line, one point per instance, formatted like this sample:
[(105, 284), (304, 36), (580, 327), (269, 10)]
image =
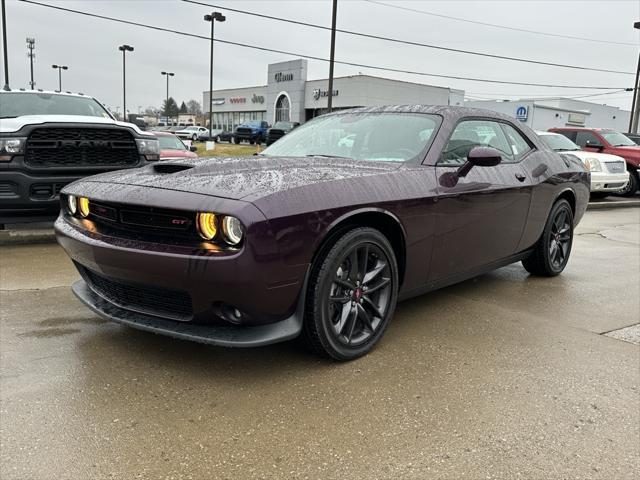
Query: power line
[(475, 22), (409, 42), (311, 57), (548, 97)]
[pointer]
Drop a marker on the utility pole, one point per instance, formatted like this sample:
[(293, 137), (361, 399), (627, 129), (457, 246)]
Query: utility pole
[(4, 47), (635, 103), (213, 18), (332, 56), (31, 45)]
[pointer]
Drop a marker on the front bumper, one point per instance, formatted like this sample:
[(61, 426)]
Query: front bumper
[(608, 182), (145, 284), (222, 335), (26, 197)]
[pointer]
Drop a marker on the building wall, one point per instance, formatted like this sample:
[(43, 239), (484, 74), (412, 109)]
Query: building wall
[(545, 114), (289, 77)]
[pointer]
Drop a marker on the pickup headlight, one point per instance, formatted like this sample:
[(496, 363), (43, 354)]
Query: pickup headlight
[(10, 147), (150, 148), (593, 164)]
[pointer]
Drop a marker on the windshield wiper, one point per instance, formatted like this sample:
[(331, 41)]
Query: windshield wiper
[(326, 156)]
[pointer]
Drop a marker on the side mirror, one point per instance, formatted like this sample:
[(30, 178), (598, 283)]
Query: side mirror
[(193, 148), (477, 157), (591, 144), (484, 157)]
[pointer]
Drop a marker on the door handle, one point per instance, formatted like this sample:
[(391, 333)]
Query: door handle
[(521, 177)]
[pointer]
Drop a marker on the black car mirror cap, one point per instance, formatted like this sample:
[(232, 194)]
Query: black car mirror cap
[(484, 157), (193, 148)]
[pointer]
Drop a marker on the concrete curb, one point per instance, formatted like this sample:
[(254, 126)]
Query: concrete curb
[(613, 204), (27, 237)]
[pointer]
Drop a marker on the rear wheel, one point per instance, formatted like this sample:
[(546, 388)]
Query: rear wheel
[(552, 251), (352, 295)]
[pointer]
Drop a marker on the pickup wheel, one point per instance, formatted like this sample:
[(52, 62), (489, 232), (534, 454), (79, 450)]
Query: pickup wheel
[(632, 186), (217, 138), (236, 140), (251, 141)]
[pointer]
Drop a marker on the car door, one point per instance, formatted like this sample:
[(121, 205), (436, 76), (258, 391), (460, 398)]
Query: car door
[(481, 218)]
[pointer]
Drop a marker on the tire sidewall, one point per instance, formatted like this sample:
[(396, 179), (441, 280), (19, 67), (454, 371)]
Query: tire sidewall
[(330, 265)]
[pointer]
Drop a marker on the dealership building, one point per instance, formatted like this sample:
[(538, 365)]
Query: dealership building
[(559, 112), (290, 96)]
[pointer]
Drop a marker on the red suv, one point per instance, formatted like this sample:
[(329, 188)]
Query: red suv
[(608, 141)]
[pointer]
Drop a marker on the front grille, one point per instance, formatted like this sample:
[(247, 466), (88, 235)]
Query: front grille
[(243, 131), (275, 134), (174, 304), (615, 167), (81, 147)]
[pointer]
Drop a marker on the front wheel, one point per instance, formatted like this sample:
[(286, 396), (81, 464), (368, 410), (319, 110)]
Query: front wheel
[(236, 140), (194, 137), (217, 138), (632, 187), (552, 251), (352, 295)]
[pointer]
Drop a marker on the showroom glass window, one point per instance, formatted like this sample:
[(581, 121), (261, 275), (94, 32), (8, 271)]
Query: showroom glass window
[(282, 108)]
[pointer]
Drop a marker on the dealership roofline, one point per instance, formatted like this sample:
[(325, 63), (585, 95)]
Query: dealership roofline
[(347, 76)]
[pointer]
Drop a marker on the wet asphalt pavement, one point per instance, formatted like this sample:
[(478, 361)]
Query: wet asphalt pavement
[(504, 376)]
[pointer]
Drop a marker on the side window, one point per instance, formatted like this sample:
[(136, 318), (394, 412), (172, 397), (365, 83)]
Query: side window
[(570, 135), (583, 137), (475, 133), (519, 146)]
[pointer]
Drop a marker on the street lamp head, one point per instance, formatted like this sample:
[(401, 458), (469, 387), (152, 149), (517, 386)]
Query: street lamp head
[(54, 66), (64, 67), (171, 74), (31, 41), (125, 48), (636, 25), (217, 16)]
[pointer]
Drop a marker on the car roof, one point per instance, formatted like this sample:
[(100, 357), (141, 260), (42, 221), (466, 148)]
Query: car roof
[(48, 92), (444, 110)]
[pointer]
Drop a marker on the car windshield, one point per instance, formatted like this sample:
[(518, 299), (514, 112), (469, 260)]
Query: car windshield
[(191, 129), (617, 139), (383, 137), (559, 143), (170, 142), (14, 104), (284, 125)]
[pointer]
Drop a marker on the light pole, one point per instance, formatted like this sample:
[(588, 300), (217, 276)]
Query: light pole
[(635, 103), (4, 47), (213, 18), (124, 49), (31, 45), (60, 68), (332, 55), (166, 104)]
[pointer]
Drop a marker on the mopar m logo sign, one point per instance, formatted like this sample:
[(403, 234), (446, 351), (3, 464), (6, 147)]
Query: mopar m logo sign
[(522, 113), (283, 77)]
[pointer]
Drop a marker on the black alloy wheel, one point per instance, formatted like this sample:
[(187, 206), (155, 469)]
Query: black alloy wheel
[(352, 295), (551, 253)]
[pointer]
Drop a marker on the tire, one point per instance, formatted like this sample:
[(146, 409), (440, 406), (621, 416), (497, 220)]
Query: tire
[(345, 317), (236, 140), (194, 137), (251, 141), (632, 186), (217, 139), (551, 252)]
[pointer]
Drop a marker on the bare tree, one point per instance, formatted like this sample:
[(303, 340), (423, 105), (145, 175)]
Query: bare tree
[(194, 108)]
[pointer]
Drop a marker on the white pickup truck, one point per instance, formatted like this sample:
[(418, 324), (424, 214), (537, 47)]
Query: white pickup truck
[(49, 139)]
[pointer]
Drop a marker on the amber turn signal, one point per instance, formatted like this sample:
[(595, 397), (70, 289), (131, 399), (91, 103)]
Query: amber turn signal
[(207, 225)]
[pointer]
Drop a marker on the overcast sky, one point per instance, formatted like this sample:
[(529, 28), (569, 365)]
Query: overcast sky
[(89, 46)]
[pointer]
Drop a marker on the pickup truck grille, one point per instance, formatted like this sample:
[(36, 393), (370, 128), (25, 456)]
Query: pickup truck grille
[(615, 167), (275, 134), (243, 131), (80, 147)]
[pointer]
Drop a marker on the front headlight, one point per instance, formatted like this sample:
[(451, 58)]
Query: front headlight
[(83, 206), (232, 230), (593, 164), (150, 148), (207, 225), (10, 147), (72, 204)]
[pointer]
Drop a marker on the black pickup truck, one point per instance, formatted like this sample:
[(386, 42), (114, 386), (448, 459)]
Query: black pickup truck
[(49, 139)]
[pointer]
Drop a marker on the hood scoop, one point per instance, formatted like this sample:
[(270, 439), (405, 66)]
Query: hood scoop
[(171, 167)]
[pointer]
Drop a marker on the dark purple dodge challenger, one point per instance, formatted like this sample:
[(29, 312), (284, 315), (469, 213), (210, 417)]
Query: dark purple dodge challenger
[(322, 233)]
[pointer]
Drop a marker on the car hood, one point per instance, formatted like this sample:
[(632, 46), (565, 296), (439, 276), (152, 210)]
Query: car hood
[(14, 124), (603, 157), (244, 178)]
